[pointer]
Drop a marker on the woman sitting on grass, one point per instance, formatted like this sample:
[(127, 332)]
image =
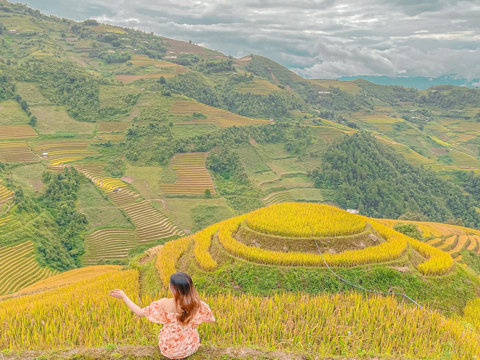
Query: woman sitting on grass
[(180, 316)]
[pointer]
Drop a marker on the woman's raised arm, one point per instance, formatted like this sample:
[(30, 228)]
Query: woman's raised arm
[(119, 294)]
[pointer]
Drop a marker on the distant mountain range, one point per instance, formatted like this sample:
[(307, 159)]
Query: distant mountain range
[(417, 82)]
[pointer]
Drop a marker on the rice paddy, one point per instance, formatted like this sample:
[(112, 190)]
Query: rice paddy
[(222, 118), (16, 151), (19, 269), (108, 244), (449, 238), (63, 152), (259, 87), (5, 195), (16, 132), (95, 174), (193, 176)]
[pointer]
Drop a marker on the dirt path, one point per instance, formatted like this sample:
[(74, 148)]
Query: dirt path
[(152, 352), (150, 253)]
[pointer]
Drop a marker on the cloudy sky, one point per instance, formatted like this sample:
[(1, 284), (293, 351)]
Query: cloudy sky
[(315, 38)]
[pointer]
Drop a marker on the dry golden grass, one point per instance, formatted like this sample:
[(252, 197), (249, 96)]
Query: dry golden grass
[(221, 117)]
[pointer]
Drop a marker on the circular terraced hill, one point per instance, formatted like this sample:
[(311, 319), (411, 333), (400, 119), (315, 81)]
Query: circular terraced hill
[(274, 249)]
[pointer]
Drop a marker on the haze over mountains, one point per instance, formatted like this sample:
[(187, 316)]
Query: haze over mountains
[(321, 39)]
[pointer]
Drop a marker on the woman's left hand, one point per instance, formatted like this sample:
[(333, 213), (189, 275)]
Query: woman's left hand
[(117, 293)]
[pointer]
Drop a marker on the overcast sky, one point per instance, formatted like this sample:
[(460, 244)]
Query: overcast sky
[(315, 38)]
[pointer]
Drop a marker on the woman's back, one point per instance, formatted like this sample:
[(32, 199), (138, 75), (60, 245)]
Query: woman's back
[(177, 340)]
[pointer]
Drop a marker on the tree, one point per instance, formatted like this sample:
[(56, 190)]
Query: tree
[(162, 80), (409, 230), (33, 121), (208, 193)]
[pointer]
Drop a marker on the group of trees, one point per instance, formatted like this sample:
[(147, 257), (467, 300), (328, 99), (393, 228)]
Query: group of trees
[(111, 57), (373, 178), (64, 83), (155, 144), (60, 195)]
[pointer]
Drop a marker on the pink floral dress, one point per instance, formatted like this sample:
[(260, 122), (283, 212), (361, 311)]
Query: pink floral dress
[(177, 341)]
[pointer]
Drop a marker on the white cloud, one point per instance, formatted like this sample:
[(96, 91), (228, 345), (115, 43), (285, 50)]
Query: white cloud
[(317, 38)]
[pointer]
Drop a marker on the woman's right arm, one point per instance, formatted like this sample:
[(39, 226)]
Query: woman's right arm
[(119, 294)]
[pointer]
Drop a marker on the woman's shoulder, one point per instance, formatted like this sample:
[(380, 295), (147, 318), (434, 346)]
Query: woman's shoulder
[(161, 304)]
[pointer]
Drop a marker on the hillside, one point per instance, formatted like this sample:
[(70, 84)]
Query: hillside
[(233, 263)]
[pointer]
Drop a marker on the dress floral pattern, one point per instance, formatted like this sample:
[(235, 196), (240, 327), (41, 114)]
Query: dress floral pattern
[(177, 341)]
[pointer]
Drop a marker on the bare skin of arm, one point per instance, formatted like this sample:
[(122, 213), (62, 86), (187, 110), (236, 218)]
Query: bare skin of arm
[(119, 294)]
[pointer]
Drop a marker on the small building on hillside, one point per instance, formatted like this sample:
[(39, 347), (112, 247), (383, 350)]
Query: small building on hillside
[(13, 31), (353, 211)]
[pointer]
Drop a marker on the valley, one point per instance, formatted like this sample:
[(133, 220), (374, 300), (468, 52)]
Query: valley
[(126, 156)]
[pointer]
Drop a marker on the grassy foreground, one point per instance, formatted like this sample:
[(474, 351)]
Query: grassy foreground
[(152, 352)]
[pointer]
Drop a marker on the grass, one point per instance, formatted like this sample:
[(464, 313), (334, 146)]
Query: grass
[(54, 120), (182, 210), (99, 211), (288, 182), (113, 126), (29, 176), (269, 152), (181, 131), (250, 159), (12, 114), (349, 87), (114, 95), (284, 166), (147, 178), (259, 87), (30, 92), (182, 107), (307, 194), (205, 215)]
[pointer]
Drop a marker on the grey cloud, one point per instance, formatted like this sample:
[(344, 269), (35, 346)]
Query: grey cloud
[(316, 38)]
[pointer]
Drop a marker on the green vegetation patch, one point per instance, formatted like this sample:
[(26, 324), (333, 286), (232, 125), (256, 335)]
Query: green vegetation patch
[(29, 176), (181, 131), (100, 212), (251, 161), (205, 215), (12, 114), (187, 213), (146, 179), (31, 94), (55, 119), (307, 194)]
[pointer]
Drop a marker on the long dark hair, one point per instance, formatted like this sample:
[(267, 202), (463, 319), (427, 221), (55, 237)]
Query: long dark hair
[(185, 296)]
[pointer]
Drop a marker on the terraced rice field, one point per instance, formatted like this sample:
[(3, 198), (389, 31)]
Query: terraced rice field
[(64, 279), (221, 117), (62, 152), (18, 268), (150, 224), (5, 220), (115, 243), (16, 151), (95, 174), (278, 197), (193, 177), (259, 87), (5, 195), (17, 132), (449, 238), (113, 126), (108, 244)]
